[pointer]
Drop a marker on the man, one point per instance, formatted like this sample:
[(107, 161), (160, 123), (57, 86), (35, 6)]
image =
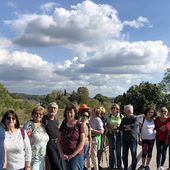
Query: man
[(129, 130), (2, 148), (51, 124)]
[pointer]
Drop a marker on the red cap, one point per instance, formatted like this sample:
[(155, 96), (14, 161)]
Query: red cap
[(82, 107)]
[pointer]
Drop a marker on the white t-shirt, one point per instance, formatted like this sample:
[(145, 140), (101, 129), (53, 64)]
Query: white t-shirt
[(148, 127)]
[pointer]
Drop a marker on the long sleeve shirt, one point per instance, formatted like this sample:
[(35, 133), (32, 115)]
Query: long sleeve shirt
[(18, 149), (129, 135)]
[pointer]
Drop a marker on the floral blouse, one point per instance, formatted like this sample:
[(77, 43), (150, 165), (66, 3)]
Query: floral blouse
[(38, 138)]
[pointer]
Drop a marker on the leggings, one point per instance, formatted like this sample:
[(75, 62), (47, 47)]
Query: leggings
[(147, 147)]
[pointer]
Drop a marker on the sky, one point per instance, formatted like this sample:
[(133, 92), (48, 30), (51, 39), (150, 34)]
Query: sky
[(104, 45)]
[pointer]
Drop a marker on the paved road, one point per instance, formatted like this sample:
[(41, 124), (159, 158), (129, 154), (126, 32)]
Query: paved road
[(104, 162)]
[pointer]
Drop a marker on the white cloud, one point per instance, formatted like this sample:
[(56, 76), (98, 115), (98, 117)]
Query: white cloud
[(5, 42), (20, 66), (65, 27), (48, 7), (105, 62), (140, 22)]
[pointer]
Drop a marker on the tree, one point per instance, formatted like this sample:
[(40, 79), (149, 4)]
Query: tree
[(83, 94), (142, 95), (102, 99), (74, 97), (165, 83)]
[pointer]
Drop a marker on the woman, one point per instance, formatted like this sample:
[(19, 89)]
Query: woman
[(17, 143), (38, 138), (71, 140), (103, 136), (168, 143), (97, 130), (147, 136), (114, 136), (161, 126), (85, 114)]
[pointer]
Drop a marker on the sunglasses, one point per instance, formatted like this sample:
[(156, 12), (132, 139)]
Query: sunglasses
[(10, 118), (85, 116), (163, 111), (115, 108)]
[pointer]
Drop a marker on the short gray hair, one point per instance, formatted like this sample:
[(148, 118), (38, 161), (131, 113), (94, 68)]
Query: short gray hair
[(129, 107)]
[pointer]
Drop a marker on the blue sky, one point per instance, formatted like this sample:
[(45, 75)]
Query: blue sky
[(105, 45)]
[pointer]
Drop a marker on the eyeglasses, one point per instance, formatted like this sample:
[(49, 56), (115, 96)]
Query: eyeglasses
[(85, 116), (10, 118), (40, 114)]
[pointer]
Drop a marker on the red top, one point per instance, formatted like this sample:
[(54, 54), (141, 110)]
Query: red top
[(161, 135), (168, 125)]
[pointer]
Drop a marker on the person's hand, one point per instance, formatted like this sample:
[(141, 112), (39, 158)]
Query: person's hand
[(64, 156), (140, 142), (127, 127), (27, 168), (163, 128), (70, 157)]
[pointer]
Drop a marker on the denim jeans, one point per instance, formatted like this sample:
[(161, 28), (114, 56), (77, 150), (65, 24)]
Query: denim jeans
[(76, 163), (114, 141), (37, 164), (161, 152), (53, 155), (86, 148), (132, 145)]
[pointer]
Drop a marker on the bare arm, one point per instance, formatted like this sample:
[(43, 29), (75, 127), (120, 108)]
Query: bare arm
[(5, 157), (79, 146), (62, 155)]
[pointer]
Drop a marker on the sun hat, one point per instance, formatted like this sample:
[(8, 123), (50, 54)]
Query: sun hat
[(83, 107)]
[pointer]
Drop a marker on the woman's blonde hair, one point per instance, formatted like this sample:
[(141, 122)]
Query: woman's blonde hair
[(102, 109), (38, 109), (115, 105)]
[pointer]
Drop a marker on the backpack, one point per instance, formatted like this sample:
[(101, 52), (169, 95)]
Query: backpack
[(22, 133)]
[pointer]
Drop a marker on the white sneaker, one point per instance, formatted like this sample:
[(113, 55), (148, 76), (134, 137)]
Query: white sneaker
[(161, 168)]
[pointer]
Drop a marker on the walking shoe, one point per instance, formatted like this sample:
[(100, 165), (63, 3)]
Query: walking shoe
[(142, 167), (147, 167)]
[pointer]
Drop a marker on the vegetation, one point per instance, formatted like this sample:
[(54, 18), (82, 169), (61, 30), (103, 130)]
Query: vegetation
[(140, 96)]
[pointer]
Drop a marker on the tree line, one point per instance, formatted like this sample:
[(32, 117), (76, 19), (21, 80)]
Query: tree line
[(140, 96)]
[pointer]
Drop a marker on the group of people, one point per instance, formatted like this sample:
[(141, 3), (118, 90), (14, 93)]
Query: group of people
[(78, 141)]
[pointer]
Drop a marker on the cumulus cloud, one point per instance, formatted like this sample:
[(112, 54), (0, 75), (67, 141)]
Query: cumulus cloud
[(140, 22), (5, 42), (104, 61), (48, 7), (86, 24), (17, 65)]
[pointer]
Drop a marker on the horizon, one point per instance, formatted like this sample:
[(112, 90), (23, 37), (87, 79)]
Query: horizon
[(106, 46)]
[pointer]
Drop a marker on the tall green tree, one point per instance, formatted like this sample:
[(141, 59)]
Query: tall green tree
[(142, 95), (83, 94), (165, 83), (102, 99)]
